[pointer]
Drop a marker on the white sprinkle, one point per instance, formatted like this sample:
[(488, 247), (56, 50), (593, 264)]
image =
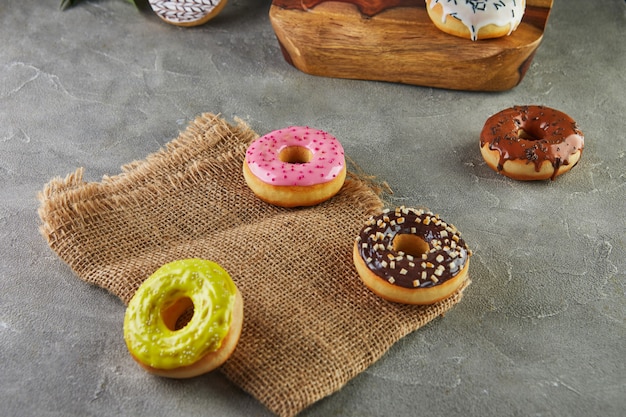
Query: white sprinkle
[(439, 258), (403, 271), (391, 280)]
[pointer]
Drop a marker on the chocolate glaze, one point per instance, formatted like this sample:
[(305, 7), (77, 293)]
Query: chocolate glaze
[(368, 8), (446, 257), (550, 135)]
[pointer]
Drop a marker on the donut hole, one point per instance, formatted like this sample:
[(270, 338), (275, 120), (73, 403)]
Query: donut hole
[(410, 244), (178, 314), (529, 135), (295, 155)]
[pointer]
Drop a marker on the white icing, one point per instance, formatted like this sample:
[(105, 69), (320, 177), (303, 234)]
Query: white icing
[(475, 14), (183, 11)]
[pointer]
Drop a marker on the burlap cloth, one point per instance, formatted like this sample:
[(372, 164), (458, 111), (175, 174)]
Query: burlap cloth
[(310, 325)]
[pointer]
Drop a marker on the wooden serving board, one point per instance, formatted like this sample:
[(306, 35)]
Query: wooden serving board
[(395, 41)]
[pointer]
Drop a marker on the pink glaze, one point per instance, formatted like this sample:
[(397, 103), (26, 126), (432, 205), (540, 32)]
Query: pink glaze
[(326, 163)]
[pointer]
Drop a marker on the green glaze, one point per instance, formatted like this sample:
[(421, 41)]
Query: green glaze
[(212, 292)]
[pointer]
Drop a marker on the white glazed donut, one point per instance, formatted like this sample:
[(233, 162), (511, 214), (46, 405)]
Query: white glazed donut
[(476, 19), (187, 12)]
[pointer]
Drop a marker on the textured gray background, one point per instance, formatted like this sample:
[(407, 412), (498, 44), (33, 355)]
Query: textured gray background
[(541, 331)]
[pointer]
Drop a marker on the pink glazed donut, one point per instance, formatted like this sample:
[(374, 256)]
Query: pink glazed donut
[(295, 166)]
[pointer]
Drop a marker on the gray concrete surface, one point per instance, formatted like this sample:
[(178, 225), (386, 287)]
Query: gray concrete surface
[(541, 331)]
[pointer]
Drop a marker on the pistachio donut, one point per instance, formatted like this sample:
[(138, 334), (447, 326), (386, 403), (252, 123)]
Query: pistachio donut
[(411, 256), (154, 328)]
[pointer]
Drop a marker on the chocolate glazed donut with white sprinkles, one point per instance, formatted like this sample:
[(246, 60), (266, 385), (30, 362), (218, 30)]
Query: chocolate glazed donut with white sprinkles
[(411, 256)]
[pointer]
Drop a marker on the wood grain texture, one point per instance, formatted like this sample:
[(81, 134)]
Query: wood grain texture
[(396, 41)]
